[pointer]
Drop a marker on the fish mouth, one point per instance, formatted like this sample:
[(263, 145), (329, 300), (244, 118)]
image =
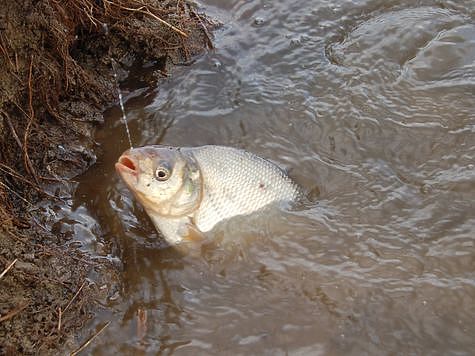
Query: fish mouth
[(126, 164)]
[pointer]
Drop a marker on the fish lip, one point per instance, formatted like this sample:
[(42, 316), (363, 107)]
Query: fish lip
[(126, 164)]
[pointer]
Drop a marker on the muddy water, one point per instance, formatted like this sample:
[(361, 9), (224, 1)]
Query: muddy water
[(369, 103)]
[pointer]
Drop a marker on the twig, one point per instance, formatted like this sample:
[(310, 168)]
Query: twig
[(148, 12), (16, 63), (59, 318), (17, 139), (10, 171), (31, 114), (74, 297), (48, 251), (18, 195), (13, 312), (8, 268), (176, 29), (86, 344), (43, 278), (15, 136), (19, 107), (208, 36), (9, 59)]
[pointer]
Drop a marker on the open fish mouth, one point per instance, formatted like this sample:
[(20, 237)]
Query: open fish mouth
[(126, 164)]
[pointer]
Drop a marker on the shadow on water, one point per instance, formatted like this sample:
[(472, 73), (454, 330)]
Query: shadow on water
[(369, 103)]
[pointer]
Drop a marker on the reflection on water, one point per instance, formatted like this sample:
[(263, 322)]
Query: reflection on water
[(371, 103)]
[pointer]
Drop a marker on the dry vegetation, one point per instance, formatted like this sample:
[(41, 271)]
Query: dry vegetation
[(55, 80)]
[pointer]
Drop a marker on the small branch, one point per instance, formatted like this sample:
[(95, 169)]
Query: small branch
[(14, 174), (15, 136), (74, 297), (59, 319), (43, 278), (10, 171), (18, 195), (7, 55), (31, 114), (86, 344), (46, 250), (165, 23), (8, 268), (205, 30), (148, 12), (13, 312)]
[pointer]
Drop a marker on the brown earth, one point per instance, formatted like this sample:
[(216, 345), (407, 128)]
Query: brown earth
[(55, 81)]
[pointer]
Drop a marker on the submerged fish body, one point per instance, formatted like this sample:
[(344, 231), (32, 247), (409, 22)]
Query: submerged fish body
[(186, 191)]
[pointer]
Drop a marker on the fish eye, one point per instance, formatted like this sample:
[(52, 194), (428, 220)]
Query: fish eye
[(162, 173)]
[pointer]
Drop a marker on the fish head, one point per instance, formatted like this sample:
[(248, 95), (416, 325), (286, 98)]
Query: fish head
[(165, 180)]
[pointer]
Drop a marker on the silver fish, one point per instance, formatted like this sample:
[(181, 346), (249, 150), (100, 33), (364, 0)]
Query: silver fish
[(186, 191)]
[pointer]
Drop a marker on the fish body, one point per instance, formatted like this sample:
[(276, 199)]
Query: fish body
[(186, 191)]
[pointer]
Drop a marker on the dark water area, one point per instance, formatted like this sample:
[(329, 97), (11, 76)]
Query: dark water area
[(370, 103)]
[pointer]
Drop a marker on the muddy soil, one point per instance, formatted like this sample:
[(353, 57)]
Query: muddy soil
[(56, 79)]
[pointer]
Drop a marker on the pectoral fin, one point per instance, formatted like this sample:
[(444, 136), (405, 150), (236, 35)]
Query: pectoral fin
[(192, 240), (190, 233)]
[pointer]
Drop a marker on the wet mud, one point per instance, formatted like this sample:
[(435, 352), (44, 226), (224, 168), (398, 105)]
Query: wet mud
[(56, 79)]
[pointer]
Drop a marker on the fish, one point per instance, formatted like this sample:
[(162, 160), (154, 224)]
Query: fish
[(187, 191)]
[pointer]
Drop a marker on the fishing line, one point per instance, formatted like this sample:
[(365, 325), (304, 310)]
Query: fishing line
[(121, 101), (119, 92)]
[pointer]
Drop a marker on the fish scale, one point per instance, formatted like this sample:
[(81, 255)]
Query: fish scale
[(251, 183)]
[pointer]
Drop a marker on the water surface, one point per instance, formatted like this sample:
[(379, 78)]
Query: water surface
[(369, 102)]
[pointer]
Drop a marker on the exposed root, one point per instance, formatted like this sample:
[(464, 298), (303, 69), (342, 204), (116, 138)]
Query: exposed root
[(74, 297), (209, 42), (8, 268), (12, 128), (88, 341), (31, 117), (13, 312), (145, 10), (16, 194)]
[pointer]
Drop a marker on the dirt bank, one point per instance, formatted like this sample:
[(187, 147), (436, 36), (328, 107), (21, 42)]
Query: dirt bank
[(55, 81)]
